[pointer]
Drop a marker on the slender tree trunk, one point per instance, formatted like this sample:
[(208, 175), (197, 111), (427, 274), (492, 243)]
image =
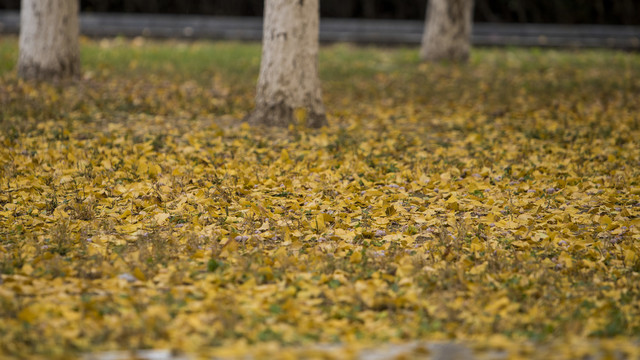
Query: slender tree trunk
[(289, 66), (49, 39), (447, 31)]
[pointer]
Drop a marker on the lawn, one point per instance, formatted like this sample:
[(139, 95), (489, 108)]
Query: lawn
[(495, 203)]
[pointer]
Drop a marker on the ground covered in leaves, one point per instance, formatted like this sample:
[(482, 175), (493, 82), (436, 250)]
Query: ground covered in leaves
[(497, 203)]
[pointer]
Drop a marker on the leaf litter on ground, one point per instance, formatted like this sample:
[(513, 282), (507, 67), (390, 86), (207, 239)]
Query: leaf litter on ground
[(495, 203)]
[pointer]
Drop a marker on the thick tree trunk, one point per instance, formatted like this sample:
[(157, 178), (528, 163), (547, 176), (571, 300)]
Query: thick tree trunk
[(49, 32), (289, 66), (447, 31)]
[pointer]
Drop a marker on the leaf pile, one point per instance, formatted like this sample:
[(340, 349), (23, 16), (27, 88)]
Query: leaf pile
[(497, 203)]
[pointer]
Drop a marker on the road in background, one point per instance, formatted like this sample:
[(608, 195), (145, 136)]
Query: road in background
[(385, 32)]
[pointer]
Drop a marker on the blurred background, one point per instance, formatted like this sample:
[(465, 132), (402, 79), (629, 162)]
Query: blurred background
[(612, 12)]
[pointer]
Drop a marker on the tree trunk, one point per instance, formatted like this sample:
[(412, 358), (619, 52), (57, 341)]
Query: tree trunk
[(49, 32), (447, 31), (289, 66)]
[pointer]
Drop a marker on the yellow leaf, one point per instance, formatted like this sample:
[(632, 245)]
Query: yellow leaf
[(452, 204), (390, 211), (177, 172), (130, 228), (356, 257), (419, 219), (320, 225), (138, 274), (479, 269), (566, 260), (520, 244), (266, 272), (66, 179), (154, 170), (477, 245), (161, 218), (284, 155), (106, 163), (27, 269), (495, 306), (143, 167), (281, 254), (630, 256), (264, 226), (499, 341), (30, 313)]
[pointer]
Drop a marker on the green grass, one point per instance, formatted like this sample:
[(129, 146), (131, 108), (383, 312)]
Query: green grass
[(198, 60), (345, 69), (498, 82)]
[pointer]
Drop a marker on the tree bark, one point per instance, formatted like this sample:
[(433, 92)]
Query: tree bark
[(447, 31), (49, 31), (288, 77)]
